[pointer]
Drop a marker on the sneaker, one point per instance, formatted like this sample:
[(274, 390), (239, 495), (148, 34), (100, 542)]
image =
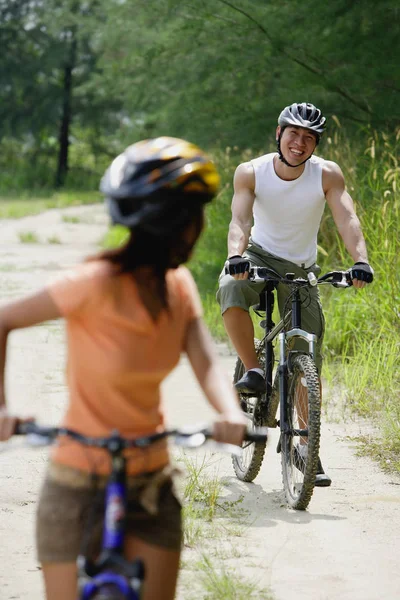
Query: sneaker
[(299, 457), (322, 479), (251, 383)]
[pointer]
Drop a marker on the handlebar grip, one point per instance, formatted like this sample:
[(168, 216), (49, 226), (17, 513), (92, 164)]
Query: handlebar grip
[(260, 434), (25, 427)]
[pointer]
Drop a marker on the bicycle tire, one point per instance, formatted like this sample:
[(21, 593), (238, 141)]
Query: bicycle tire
[(298, 482), (109, 593), (249, 464)]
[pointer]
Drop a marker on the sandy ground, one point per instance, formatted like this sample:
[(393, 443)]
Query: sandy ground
[(346, 546)]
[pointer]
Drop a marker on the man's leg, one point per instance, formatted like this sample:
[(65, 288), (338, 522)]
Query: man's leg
[(235, 297), (240, 329)]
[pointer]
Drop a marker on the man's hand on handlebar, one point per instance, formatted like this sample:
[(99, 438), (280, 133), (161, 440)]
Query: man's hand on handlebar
[(237, 266), (361, 273)]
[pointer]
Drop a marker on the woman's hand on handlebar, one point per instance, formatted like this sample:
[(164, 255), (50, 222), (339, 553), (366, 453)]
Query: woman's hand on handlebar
[(8, 424), (230, 428)]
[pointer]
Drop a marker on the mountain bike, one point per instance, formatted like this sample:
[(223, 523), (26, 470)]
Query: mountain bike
[(295, 388), (111, 576)]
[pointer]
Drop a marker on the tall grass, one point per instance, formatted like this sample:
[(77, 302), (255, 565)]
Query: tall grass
[(363, 326)]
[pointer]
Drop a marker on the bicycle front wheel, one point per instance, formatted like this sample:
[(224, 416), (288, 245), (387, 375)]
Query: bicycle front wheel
[(248, 465), (300, 443), (110, 592)]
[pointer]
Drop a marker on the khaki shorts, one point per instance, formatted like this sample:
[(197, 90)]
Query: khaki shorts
[(71, 510), (244, 294)]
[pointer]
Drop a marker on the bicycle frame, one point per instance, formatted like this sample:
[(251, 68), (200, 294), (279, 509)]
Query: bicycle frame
[(271, 279), (271, 332), (129, 576)]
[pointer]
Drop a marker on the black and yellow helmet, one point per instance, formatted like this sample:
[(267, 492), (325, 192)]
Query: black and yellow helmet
[(157, 178)]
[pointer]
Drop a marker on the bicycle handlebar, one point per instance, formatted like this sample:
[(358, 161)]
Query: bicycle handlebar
[(335, 278), (190, 437)]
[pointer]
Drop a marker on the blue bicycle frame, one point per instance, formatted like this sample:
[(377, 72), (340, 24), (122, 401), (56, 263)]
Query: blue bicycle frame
[(111, 569)]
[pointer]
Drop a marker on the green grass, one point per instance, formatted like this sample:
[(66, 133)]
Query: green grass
[(70, 219), (28, 237), (53, 240), (362, 341), (115, 236), (22, 204), (212, 525), (222, 583)]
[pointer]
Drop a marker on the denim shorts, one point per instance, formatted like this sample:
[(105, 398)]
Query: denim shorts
[(71, 511), (244, 294)]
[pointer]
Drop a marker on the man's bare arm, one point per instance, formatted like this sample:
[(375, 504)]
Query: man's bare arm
[(346, 220), (242, 209), (342, 207)]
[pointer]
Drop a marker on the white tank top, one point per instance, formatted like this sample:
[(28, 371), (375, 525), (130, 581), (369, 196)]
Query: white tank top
[(287, 214)]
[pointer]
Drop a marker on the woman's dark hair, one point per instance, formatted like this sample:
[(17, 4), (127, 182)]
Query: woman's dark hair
[(157, 188), (159, 251)]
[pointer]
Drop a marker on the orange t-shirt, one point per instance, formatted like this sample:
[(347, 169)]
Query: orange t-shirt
[(117, 358)]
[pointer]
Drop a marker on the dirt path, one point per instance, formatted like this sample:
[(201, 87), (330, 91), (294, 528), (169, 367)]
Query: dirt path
[(346, 546)]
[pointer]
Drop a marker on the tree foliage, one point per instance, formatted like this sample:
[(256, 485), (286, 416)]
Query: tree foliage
[(215, 71)]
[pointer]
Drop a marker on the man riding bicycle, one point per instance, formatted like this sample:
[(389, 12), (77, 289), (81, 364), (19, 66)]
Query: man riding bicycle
[(277, 206)]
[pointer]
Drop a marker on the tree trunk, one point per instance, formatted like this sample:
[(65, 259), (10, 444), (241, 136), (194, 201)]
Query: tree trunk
[(66, 118)]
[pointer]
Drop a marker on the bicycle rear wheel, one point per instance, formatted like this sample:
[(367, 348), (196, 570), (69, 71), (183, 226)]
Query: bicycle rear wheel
[(299, 454), (248, 465)]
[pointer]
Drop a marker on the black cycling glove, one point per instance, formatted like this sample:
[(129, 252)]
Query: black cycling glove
[(362, 271), (235, 265)]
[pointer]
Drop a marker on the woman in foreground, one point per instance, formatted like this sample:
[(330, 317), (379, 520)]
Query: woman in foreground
[(129, 314)]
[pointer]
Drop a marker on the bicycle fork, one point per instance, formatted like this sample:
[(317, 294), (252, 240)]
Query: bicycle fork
[(283, 371), (111, 568), (284, 365)]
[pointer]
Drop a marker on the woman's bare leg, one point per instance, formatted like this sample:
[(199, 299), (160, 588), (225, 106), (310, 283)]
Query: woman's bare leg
[(60, 580), (161, 568)]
